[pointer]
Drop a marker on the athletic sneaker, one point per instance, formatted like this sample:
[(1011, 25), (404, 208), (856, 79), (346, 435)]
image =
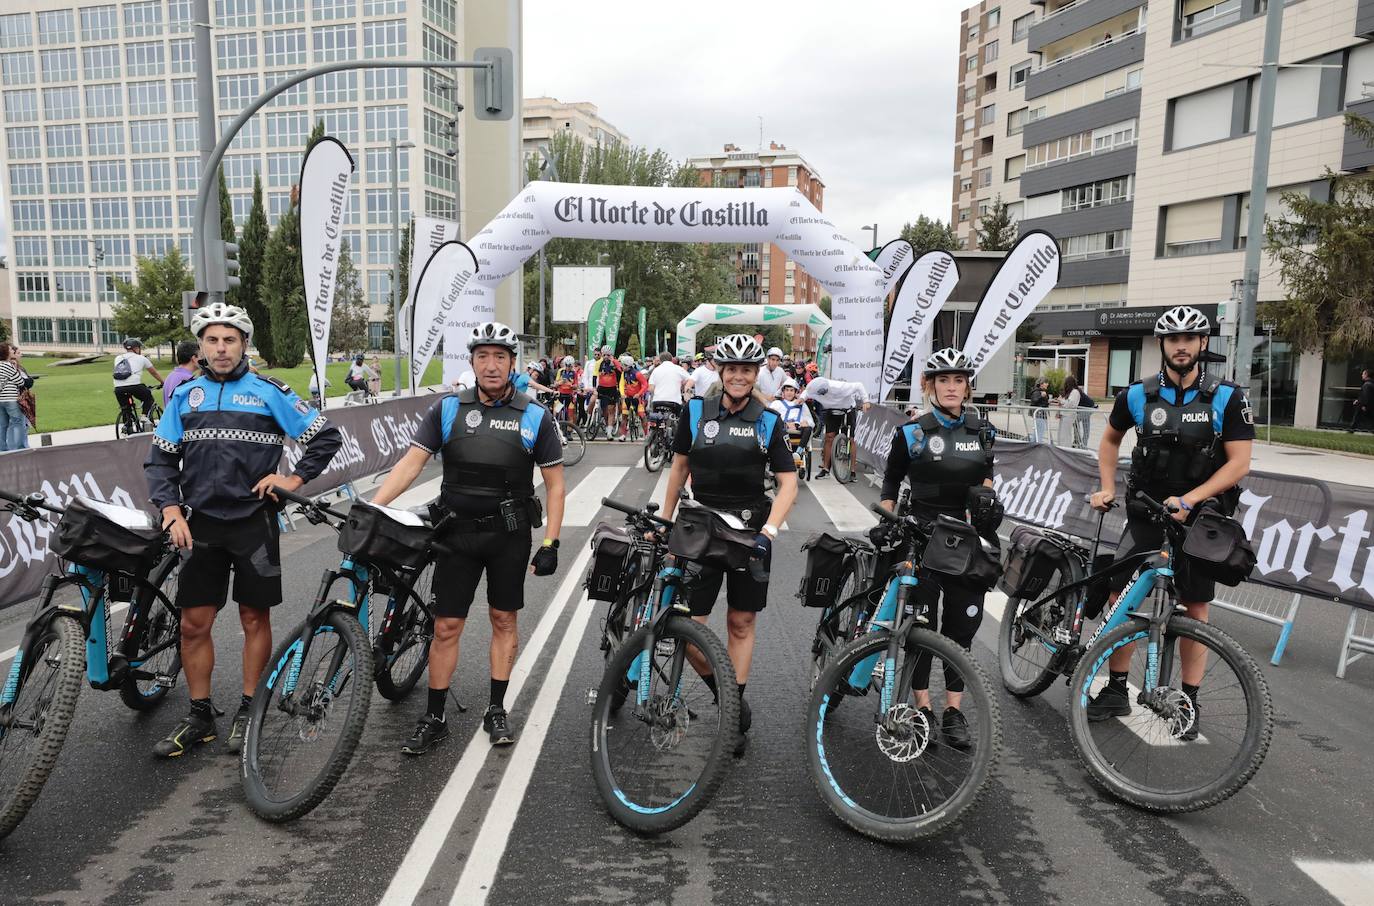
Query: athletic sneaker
[(494, 722), (822, 473), (238, 730), (956, 730), (190, 730), (746, 720), (429, 732), (1190, 734), (1110, 702)]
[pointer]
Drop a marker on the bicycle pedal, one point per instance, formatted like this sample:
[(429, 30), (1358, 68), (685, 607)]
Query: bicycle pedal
[(165, 681), (665, 647), (591, 695), (1061, 635)]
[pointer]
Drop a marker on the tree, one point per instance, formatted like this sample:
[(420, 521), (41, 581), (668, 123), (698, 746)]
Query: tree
[(996, 229), (251, 247), (1325, 253), (926, 235), (399, 296), (348, 323), (283, 292), (151, 308), (1029, 332)]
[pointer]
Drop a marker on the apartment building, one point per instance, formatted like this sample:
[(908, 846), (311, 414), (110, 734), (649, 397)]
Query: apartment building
[(100, 152), (1135, 151), (545, 116), (764, 274)]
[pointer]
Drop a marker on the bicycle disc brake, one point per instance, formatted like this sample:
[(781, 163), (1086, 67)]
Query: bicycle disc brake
[(904, 733), (668, 721), (1175, 708)]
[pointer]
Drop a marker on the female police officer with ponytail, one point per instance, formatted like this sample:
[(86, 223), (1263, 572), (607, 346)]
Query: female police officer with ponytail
[(946, 455)]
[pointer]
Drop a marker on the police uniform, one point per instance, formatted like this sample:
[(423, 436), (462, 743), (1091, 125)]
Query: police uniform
[(489, 454), (1179, 445), (727, 454), (942, 458)]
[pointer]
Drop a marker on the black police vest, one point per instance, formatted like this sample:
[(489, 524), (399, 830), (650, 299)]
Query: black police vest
[(485, 455), (947, 461), (1178, 447), (729, 453)]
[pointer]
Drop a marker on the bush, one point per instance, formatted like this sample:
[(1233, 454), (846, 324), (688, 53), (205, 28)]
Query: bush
[(1056, 378)]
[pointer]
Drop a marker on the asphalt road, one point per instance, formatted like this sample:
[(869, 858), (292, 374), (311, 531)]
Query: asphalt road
[(524, 825)]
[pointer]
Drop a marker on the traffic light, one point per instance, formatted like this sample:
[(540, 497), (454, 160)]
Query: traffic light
[(231, 266), (191, 300)]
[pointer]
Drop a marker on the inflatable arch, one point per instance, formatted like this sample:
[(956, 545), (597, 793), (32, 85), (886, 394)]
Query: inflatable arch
[(702, 315), (458, 297)]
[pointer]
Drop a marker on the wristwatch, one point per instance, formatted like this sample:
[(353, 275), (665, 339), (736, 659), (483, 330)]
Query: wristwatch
[(550, 542), (771, 531)]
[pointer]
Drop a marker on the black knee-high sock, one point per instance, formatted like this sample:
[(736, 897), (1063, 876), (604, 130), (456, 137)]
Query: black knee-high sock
[(498, 693), (437, 699)]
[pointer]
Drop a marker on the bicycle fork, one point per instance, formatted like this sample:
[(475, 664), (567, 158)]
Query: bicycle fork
[(668, 603)]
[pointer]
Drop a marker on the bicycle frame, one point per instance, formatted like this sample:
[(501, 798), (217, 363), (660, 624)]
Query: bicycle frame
[(359, 578)]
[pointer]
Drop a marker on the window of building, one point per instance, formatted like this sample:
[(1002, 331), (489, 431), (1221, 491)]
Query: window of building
[(183, 95), (970, 93), (984, 177), (239, 169), (33, 287), (1202, 16), (236, 13), (335, 42), (237, 92), (284, 48), (1016, 121), (336, 88), (188, 173), (989, 52), (966, 184), (249, 137), (990, 82), (964, 214), (35, 330), (284, 166), (144, 58), (278, 203), (56, 27), (1095, 245), (440, 171), (148, 136), (971, 64), (287, 129), (385, 123), (378, 287), (283, 12), (295, 96), (1117, 135), (1020, 26), (22, 142), (988, 115), (29, 251), (26, 179), (379, 206), (384, 84), (973, 33), (116, 249), (104, 100), (1202, 117), (237, 51), (16, 30), (152, 246), (380, 249), (384, 39), (68, 215), (1192, 228), (28, 215), (153, 213), (994, 17), (968, 154), (1097, 194), (437, 46), (178, 16), (437, 130), (147, 98), (16, 68), (384, 7), (183, 55), (143, 20), (109, 176), (64, 141), (342, 124), (185, 135), (110, 214), (58, 65), (74, 330), (443, 13), (1297, 97), (62, 103), (378, 164), (154, 175), (1019, 72), (333, 9), (100, 62), (21, 106), (969, 123), (69, 252), (1134, 78)]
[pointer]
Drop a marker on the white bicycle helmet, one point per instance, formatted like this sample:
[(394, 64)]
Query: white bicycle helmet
[(948, 361), (568, 361), (788, 382), (492, 333), (222, 313), (774, 351), (1182, 319), (626, 360), (737, 348)]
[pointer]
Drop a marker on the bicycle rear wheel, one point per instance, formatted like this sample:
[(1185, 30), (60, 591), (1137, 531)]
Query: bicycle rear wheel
[(34, 725), (1145, 758), (892, 776), (401, 649), (1025, 647), (841, 458), (655, 451), (574, 443), (150, 678), (834, 632), (659, 761), (307, 718)]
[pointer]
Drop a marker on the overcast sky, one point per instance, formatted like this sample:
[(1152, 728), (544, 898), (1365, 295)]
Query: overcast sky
[(863, 89)]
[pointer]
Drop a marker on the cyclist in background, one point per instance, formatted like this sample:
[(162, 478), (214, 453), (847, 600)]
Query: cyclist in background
[(1194, 437), (704, 377), (794, 413), (771, 375), (128, 376), (607, 377), (358, 375), (836, 400), (565, 382), (633, 386), (665, 384)]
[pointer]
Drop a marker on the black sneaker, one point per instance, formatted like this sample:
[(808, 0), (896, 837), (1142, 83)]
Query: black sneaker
[(238, 730), (822, 473), (956, 730), (1110, 702), (932, 724), (1190, 734), (494, 722), (191, 730), (746, 720), (429, 732)]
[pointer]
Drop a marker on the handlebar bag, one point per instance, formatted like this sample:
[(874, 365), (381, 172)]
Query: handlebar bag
[(956, 550), (1219, 546), (703, 536), (1032, 560), (611, 546), (378, 536), (107, 537)]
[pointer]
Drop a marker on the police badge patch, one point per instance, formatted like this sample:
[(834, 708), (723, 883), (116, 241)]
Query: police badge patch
[(1247, 415), (473, 418), (711, 429), (302, 407), (1158, 417), (937, 445), (196, 397)]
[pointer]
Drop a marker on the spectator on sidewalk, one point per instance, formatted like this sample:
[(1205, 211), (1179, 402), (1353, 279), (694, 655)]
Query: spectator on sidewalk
[(186, 353), (14, 427), (1040, 401), (1364, 403), (1073, 428)]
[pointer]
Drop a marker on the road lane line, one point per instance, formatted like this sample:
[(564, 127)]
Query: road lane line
[(843, 508), (429, 840), (115, 610), (1348, 882), (584, 501), (479, 873)]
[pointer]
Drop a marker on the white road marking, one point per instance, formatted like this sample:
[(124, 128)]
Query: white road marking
[(1348, 882), (995, 605), (115, 610), (1137, 726), (485, 854), (660, 488), (429, 840), (843, 508), (584, 501)]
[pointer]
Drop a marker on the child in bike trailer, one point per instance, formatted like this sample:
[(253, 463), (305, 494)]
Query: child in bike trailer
[(796, 417), (836, 399), (946, 455), (1194, 437)]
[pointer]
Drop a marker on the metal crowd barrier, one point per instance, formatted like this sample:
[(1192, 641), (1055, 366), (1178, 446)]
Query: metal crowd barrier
[(1358, 641)]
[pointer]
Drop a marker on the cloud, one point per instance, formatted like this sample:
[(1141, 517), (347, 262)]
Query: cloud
[(865, 91)]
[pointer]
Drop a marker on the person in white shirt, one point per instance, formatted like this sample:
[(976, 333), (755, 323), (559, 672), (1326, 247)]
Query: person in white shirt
[(665, 383), (358, 375), (796, 415), (771, 375), (128, 376), (703, 377), (837, 399), (315, 389)]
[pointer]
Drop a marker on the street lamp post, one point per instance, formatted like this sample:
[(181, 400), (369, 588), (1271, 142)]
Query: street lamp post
[(872, 227), (548, 168), (396, 289), (97, 255)]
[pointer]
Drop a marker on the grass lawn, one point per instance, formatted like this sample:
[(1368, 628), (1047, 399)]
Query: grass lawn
[(1336, 441), (79, 396)]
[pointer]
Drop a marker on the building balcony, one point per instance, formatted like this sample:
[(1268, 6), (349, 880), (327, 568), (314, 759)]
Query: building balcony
[(1078, 171), (1116, 109), (1072, 18), (1091, 61), (1356, 154), (1106, 267), (1364, 19), (1100, 219)]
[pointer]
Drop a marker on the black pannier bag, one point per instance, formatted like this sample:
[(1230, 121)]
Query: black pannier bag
[(827, 558), (611, 546), (372, 536), (703, 536), (956, 550), (1032, 560), (89, 534), (1218, 545)]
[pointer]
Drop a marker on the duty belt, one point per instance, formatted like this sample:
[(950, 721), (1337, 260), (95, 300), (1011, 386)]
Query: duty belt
[(493, 523)]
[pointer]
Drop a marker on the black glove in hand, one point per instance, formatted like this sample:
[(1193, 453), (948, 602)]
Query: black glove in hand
[(763, 554), (545, 560)]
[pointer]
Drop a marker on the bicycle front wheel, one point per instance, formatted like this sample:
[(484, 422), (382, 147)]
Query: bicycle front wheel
[(1167, 755), (155, 656), (655, 451), (34, 725), (401, 649), (574, 443), (891, 774), (841, 458), (660, 758), (307, 718)]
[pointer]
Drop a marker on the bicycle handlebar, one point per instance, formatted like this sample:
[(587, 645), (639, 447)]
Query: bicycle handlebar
[(304, 501), (34, 500), (883, 512), (646, 513)]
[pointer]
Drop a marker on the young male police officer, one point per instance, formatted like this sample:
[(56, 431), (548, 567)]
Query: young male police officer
[(490, 438), (221, 431), (1194, 435)]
